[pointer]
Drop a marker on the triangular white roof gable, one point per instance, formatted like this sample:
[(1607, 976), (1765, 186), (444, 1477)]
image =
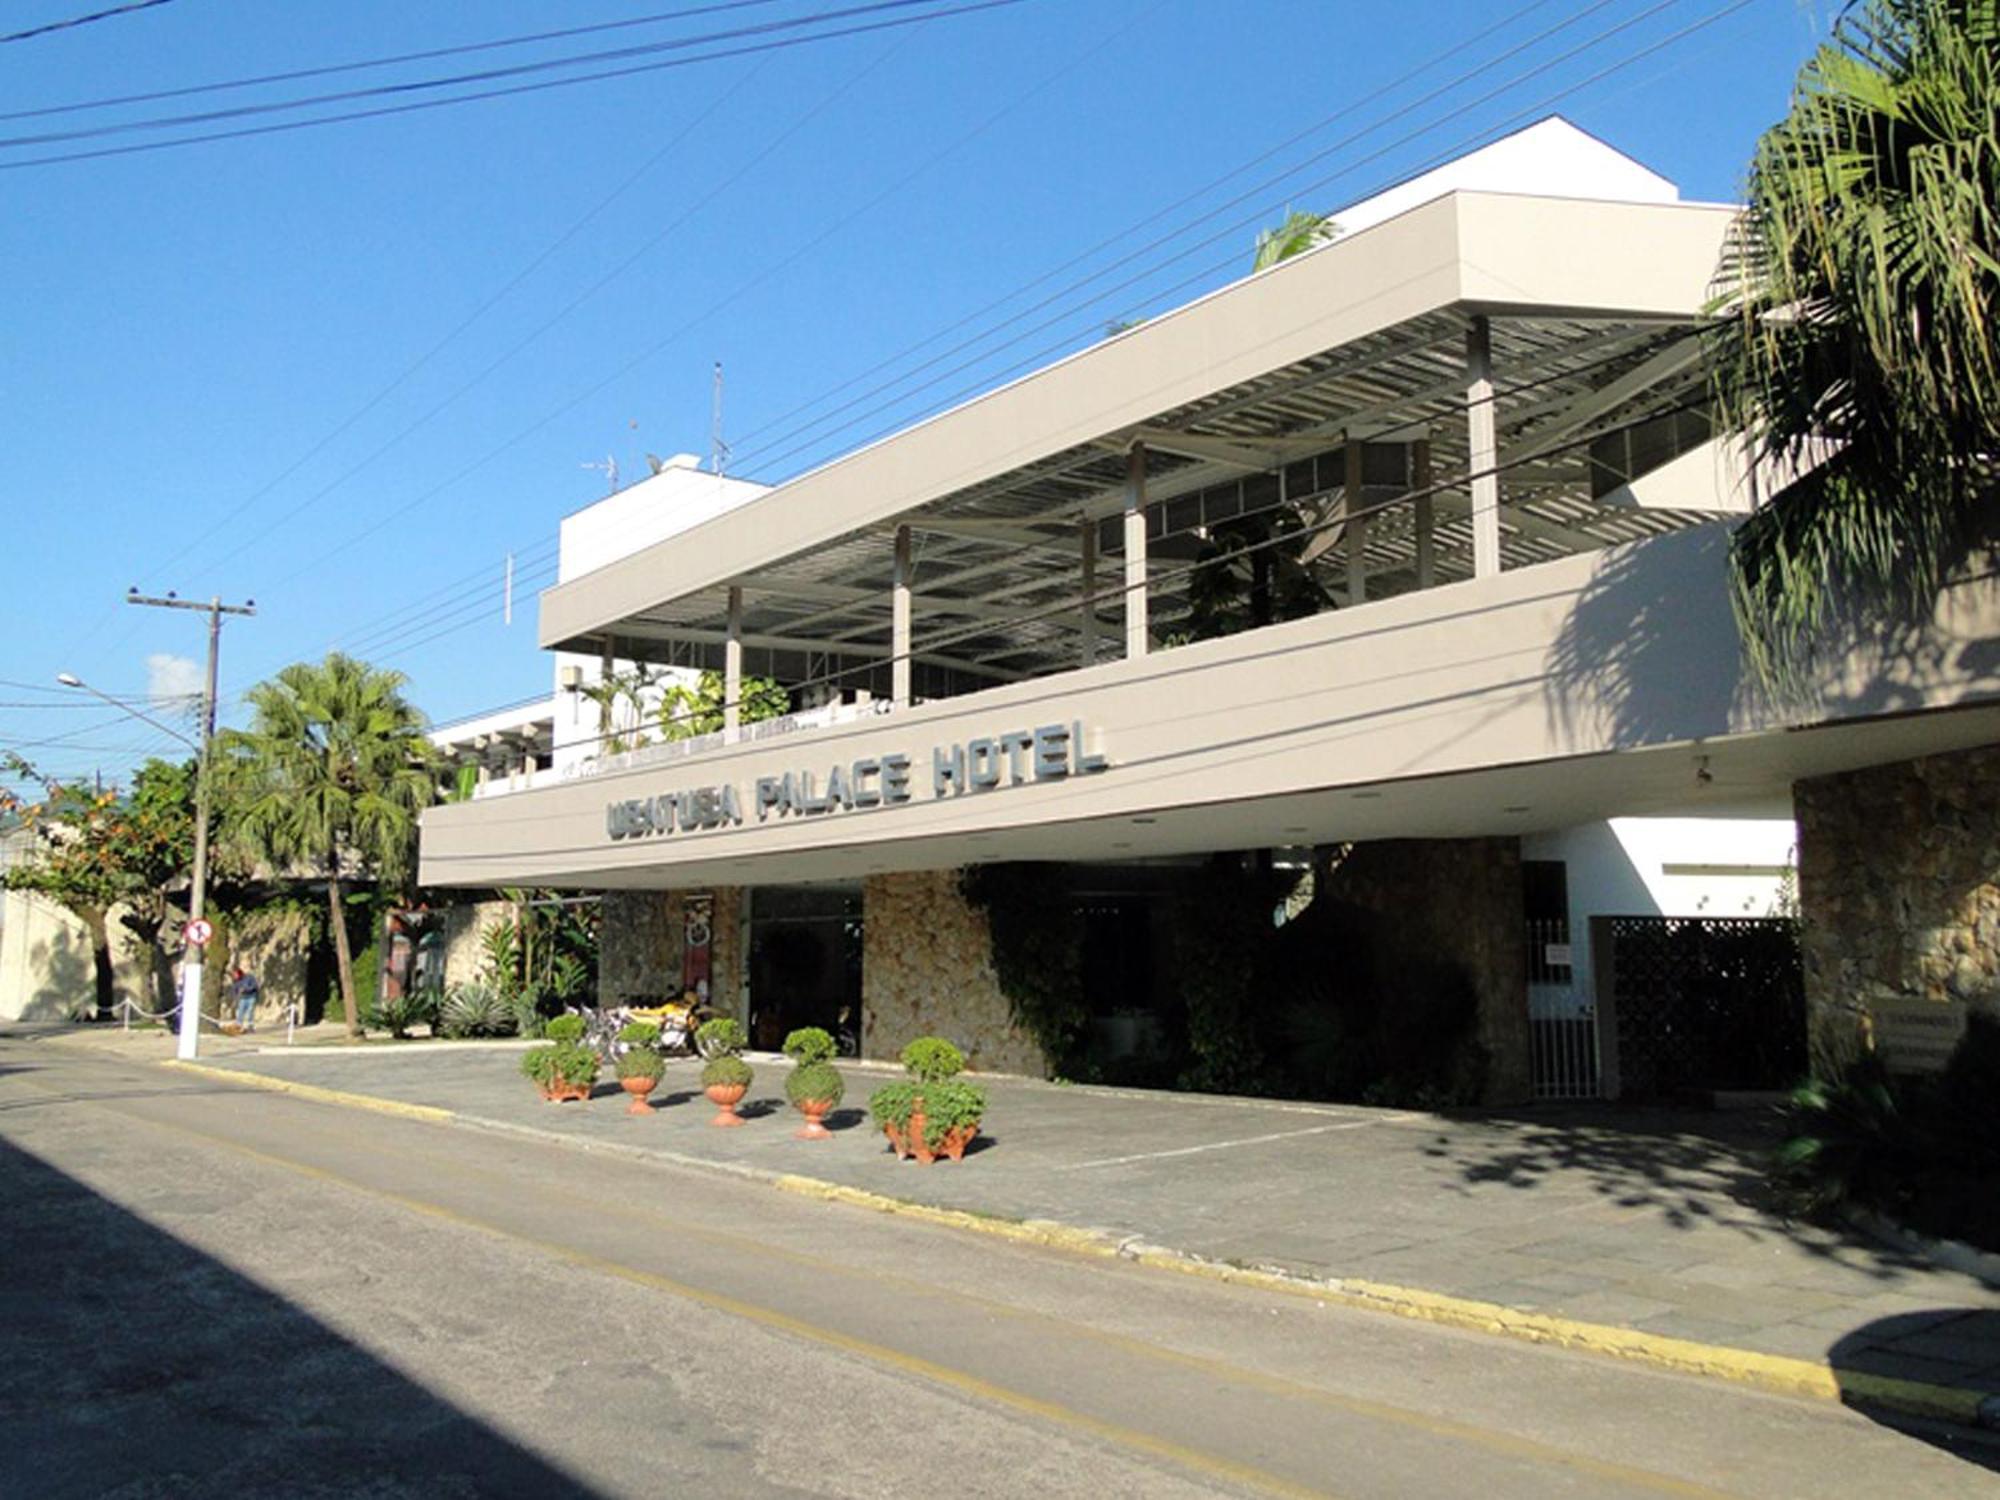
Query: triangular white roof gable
[(1551, 158)]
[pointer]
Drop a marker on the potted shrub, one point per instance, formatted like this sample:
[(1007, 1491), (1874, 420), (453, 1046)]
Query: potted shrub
[(639, 1064), (932, 1114), (565, 1068), (815, 1085), (725, 1077)]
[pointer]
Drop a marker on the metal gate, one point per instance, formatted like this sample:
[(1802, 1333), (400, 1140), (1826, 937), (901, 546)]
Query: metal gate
[(1562, 1021)]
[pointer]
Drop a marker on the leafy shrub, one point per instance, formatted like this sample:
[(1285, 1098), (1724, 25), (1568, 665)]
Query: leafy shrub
[(568, 1027), (931, 1059), (397, 1014), (474, 1010), (721, 1037), (527, 1011), (725, 1070), (949, 1104), (818, 1081), (1925, 1151), (570, 1063), (1036, 928), (809, 1044), (641, 1062), (893, 1103), (639, 1034)]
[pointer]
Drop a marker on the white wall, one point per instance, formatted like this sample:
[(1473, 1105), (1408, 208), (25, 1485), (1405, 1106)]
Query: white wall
[(1665, 867), (680, 496), (1549, 158)]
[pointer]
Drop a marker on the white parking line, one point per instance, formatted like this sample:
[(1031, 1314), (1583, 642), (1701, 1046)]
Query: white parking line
[(1249, 1140)]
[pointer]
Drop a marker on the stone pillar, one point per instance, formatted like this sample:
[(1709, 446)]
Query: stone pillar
[(638, 948), (1899, 901), (1459, 900), (927, 970)]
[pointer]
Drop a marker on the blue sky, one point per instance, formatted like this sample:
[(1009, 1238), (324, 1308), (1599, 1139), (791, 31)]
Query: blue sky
[(346, 370)]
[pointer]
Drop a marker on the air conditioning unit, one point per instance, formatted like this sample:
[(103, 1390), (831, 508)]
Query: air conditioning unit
[(569, 677)]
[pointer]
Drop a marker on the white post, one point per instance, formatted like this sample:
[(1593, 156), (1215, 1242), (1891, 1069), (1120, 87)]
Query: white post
[(1357, 525), (190, 1031), (1135, 552), (899, 622), (1482, 449), (1426, 503), (1087, 538), (732, 668)]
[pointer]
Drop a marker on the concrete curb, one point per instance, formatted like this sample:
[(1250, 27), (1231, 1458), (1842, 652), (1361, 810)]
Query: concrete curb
[(1780, 1374), (1949, 1255)]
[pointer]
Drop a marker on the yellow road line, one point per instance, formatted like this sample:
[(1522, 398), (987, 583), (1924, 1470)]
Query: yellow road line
[(429, 1113), (1192, 1459), (1279, 1385), (1813, 1379)]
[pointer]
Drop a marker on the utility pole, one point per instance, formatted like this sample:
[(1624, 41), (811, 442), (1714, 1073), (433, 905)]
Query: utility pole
[(190, 1029)]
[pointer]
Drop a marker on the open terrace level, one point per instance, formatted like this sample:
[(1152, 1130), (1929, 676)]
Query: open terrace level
[(1423, 533)]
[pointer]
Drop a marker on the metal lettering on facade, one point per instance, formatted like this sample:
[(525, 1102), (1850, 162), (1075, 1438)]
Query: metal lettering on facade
[(1052, 752)]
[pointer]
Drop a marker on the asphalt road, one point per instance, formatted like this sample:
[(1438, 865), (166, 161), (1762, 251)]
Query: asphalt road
[(215, 1291)]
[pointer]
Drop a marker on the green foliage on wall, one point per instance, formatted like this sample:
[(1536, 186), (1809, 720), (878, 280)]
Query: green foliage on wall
[(1037, 945), (1222, 928)]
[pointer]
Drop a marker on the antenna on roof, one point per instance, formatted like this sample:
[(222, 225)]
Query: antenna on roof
[(718, 449), (609, 469)]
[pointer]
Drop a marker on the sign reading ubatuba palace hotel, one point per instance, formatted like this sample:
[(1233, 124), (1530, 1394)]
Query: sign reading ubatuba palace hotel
[(1362, 583), (1048, 753)]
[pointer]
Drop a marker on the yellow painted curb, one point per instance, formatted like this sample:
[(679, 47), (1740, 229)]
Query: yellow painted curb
[(427, 1112), (1768, 1372)]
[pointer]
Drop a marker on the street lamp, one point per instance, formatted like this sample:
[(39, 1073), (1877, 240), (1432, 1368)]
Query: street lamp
[(70, 679)]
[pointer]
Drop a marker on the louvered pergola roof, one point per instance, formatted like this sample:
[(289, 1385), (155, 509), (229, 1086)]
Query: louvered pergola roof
[(997, 547)]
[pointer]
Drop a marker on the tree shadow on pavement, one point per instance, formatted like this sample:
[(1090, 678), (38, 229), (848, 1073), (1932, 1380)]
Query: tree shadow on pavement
[(139, 1365), (1687, 1168), (1950, 1346)]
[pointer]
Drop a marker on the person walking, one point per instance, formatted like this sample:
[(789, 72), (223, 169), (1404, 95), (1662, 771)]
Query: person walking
[(248, 992)]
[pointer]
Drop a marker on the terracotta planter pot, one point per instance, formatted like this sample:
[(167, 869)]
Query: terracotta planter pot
[(814, 1128), (725, 1097), (562, 1093), (639, 1088), (897, 1139), (957, 1140), (918, 1149)]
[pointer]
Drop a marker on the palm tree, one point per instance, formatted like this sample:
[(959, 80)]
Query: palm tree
[(1300, 232), (331, 774), (1862, 324)]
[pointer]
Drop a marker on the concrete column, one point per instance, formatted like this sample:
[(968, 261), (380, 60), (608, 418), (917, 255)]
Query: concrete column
[(1426, 507), (899, 622), (1357, 525), (606, 665), (1087, 540), (1135, 552), (732, 668), (1482, 449)]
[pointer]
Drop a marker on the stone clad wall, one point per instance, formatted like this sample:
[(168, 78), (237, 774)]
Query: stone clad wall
[(1458, 899), (1899, 896), (640, 949), (927, 970)]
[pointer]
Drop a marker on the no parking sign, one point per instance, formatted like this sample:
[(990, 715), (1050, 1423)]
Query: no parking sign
[(199, 931)]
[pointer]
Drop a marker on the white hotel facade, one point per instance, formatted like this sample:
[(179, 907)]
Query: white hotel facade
[(1472, 428)]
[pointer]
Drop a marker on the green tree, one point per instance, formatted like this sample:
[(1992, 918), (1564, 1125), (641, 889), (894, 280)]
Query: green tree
[(686, 712), (1300, 232), (1862, 323), (96, 851), (331, 775)]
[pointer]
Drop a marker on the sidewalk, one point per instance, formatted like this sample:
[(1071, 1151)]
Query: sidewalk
[(1654, 1222)]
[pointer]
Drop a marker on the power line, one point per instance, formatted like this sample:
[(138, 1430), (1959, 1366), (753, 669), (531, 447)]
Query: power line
[(1539, 106), (101, 15), (655, 348), (1233, 227), (330, 69), (747, 50)]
